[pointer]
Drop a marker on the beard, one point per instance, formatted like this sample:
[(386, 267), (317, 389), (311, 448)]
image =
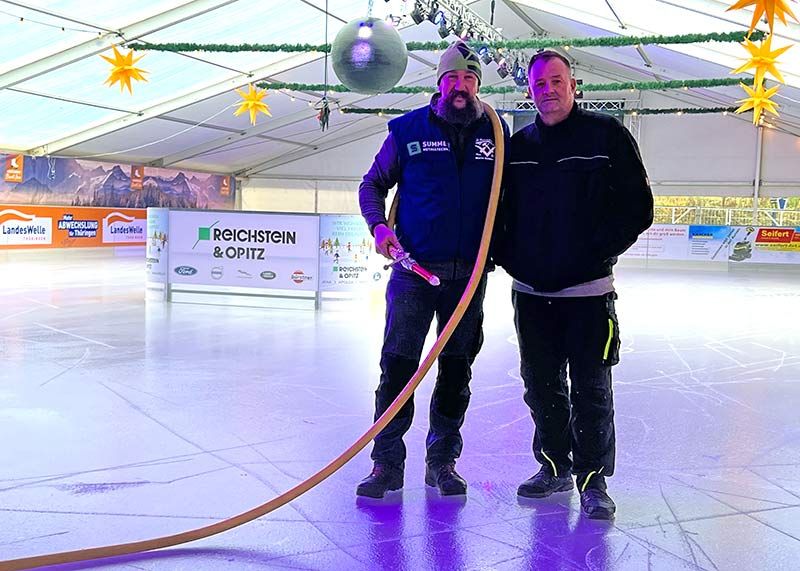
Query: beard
[(446, 109)]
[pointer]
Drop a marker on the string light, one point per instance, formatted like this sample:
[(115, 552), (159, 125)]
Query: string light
[(23, 20)]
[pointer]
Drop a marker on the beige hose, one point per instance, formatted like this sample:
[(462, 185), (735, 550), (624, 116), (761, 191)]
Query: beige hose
[(336, 463)]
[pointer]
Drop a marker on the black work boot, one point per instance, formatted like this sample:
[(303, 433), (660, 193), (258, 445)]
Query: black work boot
[(544, 483), (383, 478), (446, 479), (595, 502)]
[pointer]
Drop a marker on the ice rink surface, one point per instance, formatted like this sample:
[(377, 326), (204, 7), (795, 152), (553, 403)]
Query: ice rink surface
[(123, 419)]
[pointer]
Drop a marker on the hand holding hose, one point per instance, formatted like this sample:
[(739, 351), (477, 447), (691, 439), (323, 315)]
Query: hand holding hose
[(385, 240)]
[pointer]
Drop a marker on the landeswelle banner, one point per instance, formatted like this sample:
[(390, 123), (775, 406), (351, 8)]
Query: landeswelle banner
[(24, 226), (347, 257), (276, 251)]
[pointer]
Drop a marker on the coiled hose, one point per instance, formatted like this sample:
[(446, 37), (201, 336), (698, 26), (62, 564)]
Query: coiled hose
[(336, 463)]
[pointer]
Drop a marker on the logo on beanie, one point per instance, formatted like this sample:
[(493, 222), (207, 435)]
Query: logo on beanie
[(484, 149)]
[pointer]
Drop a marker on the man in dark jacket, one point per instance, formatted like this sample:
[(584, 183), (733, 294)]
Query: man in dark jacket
[(441, 157), (576, 197)]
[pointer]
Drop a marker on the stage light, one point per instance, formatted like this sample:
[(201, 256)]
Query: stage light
[(444, 31), (486, 54), (433, 12), (519, 75), (458, 27), (418, 14), (502, 70)]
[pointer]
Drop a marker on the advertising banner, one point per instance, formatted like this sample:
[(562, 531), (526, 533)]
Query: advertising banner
[(276, 251), (137, 177), (661, 242), (15, 166), (765, 245), (24, 226), (20, 227), (709, 242), (348, 260), (157, 260), (78, 182)]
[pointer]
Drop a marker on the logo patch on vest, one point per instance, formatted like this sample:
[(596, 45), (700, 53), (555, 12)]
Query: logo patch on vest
[(435, 146), (414, 148), (484, 149)]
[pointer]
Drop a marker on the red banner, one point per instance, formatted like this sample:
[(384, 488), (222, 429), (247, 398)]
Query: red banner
[(14, 168), (137, 177), (23, 226)]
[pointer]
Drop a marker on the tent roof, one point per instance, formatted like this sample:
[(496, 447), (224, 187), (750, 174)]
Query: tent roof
[(54, 100)]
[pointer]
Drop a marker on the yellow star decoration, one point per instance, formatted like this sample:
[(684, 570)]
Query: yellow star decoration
[(771, 8), (759, 101), (762, 59), (124, 69), (251, 101)]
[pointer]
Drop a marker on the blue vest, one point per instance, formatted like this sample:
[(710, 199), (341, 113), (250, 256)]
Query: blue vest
[(442, 209)]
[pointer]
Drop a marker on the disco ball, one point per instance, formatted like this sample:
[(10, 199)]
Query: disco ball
[(369, 56)]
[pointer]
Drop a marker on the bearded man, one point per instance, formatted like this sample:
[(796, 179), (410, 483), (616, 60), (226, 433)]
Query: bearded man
[(441, 157)]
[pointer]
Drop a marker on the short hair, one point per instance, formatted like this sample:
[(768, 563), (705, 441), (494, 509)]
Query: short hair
[(548, 54)]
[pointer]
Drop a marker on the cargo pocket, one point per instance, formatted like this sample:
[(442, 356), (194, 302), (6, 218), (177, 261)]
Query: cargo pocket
[(612, 341)]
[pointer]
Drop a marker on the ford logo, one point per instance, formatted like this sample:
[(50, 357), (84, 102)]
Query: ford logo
[(185, 271), (268, 275)]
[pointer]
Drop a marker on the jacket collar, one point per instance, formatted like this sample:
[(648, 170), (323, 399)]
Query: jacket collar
[(558, 127)]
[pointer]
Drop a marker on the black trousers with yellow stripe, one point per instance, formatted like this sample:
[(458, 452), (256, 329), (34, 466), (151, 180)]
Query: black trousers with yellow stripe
[(574, 421)]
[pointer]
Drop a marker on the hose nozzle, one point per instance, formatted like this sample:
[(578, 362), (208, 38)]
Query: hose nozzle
[(402, 258)]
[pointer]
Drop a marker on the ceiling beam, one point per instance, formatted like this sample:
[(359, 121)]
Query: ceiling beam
[(240, 135), (62, 57), (214, 127), (332, 143), (259, 130), (522, 15), (71, 100)]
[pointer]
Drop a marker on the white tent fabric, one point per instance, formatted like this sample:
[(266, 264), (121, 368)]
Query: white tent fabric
[(54, 101)]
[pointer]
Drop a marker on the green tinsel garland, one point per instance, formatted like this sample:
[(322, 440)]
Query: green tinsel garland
[(533, 43), (491, 90), (607, 41), (645, 111), (651, 85), (678, 110), (230, 48)]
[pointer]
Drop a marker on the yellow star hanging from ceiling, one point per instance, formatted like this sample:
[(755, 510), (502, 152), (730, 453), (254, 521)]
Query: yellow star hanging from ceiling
[(762, 59), (251, 101), (771, 8), (759, 101), (124, 69)]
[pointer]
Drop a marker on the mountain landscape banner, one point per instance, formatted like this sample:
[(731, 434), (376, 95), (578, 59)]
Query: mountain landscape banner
[(77, 182)]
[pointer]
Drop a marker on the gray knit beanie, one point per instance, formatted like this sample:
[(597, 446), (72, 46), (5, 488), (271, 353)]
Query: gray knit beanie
[(459, 56)]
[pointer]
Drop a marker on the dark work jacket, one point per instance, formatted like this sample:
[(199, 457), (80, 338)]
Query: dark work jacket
[(444, 193), (576, 196)]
